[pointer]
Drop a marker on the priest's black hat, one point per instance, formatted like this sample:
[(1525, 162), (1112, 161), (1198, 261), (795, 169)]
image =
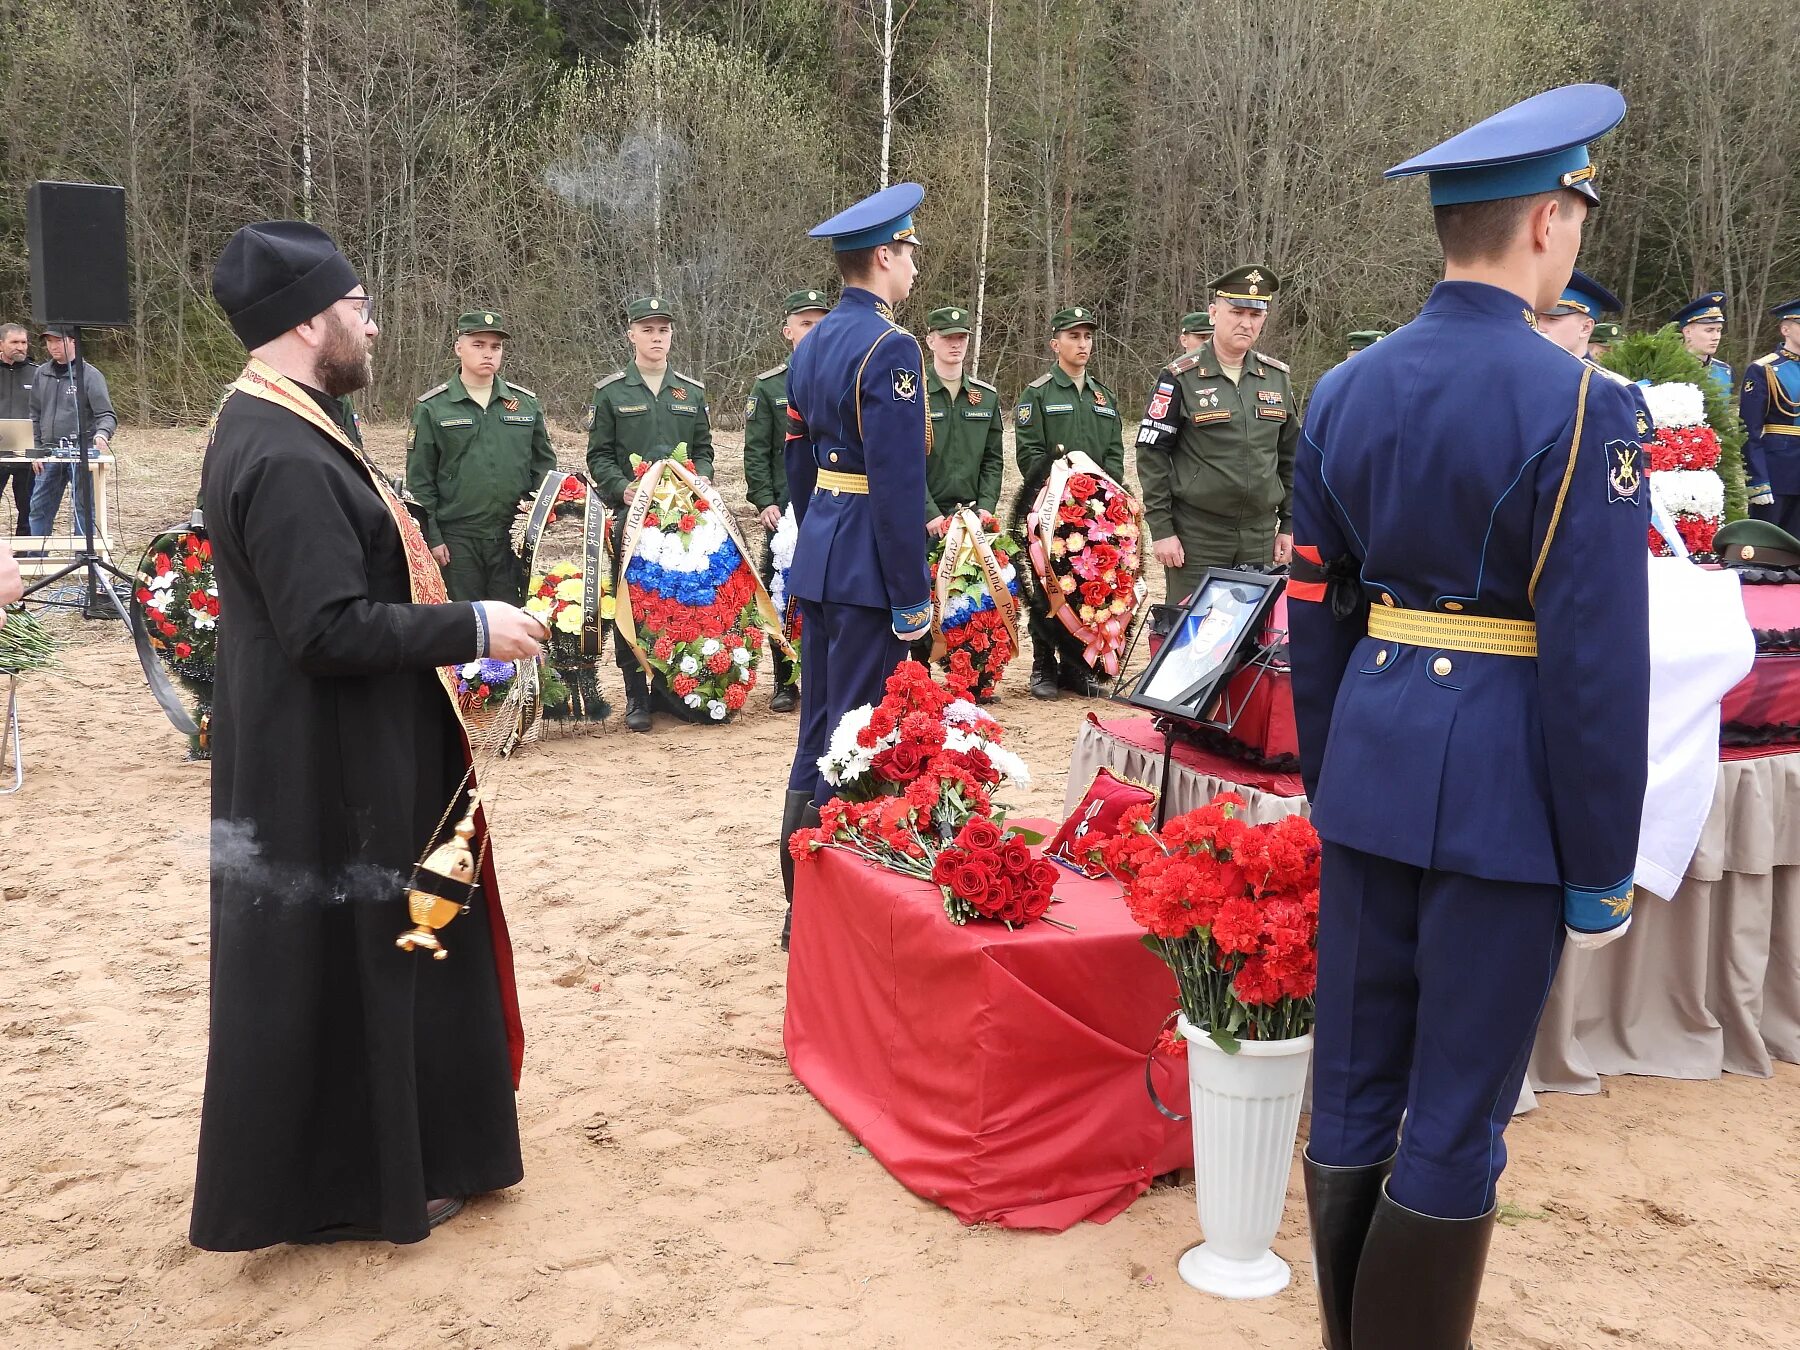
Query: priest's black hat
[(276, 275)]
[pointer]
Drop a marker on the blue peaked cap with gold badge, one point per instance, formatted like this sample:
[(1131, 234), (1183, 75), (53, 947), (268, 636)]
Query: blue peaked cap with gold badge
[(1789, 310), (1584, 295), (1708, 308), (885, 218), (1535, 146)]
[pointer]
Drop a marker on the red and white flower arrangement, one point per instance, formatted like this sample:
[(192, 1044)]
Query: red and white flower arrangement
[(176, 604), (1086, 545), (975, 584), (698, 611), (1684, 466), (915, 777), (1232, 909)]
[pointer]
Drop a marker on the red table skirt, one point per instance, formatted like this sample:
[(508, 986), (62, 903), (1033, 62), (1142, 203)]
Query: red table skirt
[(998, 1073)]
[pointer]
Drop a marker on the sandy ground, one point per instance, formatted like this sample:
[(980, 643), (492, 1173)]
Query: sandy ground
[(681, 1188)]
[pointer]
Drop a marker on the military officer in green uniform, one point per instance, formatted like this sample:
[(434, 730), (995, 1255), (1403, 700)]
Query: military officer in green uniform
[(967, 457), (1360, 339), (478, 447), (1215, 451), (1063, 410), (765, 450), (645, 409), (1196, 331), (1600, 341)]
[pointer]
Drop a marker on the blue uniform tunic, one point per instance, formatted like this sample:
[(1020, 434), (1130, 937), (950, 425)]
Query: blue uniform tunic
[(856, 447), (1470, 802), (1770, 407)]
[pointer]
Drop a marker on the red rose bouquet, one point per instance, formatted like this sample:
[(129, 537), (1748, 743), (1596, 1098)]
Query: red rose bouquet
[(915, 776), (975, 601), (1085, 540), (1232, 909)]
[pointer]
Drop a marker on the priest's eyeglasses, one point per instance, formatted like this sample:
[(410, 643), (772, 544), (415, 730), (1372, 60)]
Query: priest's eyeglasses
[(365, 305)]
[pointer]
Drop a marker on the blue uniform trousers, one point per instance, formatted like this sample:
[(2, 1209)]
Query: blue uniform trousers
[(1784, 511), (847, 653), (1430, 989)]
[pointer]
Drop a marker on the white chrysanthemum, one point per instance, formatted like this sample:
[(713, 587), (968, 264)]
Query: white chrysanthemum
[(1691, 492), (787, 534), (469, 671), (963, 713), (1011, 768), (844, 761), (1676, 405)]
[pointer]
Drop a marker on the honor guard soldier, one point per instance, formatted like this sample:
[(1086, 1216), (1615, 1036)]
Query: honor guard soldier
[(1702, 325), (1770, 407), (1196, 331), (1570, 322), (856, 446), (765, 448), (1601, 340), (478, 447), (1361, 339), (1063, 410), (644, 409), (1469, 622), (1215, 451), (968, 458)]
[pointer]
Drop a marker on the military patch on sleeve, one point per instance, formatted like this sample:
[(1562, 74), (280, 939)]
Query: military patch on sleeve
[(750, 406), (1022, 415), (1643, 421), (1624, 474), (1159, 401), (906, 385)]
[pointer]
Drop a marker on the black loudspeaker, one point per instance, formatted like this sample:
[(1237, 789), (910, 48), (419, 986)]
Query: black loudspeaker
[(76, 233)]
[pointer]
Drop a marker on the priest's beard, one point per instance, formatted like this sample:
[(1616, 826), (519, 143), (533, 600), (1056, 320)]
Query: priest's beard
[(343, 362)]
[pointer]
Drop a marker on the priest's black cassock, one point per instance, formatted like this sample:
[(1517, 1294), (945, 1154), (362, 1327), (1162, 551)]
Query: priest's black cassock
[(347, 1083)]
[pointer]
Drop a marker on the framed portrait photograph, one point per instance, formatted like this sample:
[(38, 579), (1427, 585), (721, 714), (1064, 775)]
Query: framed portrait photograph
[(1213, 633)]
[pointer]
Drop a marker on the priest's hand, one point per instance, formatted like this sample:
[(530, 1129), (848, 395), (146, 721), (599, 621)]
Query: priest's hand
[(513, 635), (442, 553)]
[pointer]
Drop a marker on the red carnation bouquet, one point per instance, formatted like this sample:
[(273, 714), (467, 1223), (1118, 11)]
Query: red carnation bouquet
[(915, 777), (1085, 537), (1232, 909)]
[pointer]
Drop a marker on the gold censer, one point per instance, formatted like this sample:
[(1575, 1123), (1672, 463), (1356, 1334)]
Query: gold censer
[(452, 861)]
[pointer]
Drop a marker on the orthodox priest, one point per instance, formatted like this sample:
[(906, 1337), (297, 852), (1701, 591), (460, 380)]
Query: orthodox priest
[(353, 1090)]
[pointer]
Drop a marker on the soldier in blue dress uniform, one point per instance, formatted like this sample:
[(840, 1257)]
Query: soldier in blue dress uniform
[(856, 447), (1770, 407), (1469, 629), (1702, 324)]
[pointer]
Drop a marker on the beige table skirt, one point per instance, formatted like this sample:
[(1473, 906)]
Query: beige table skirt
[(1705, 984)]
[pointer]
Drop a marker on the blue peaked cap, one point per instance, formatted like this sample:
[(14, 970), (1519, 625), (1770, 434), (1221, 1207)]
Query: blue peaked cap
[(885, 218), (1535, 146), (1584, 295), (1790, 310), (1708, 308)]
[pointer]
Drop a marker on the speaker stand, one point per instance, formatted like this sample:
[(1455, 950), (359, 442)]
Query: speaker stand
[(97, 571)]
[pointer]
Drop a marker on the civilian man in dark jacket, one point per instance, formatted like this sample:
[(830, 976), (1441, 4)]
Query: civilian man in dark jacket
[(17, 375), (53, 426)]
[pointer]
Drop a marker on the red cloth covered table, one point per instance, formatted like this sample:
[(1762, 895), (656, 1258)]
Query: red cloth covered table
[(998, 1073)]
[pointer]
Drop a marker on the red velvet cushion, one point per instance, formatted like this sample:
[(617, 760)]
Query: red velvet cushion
[(1095, 818)]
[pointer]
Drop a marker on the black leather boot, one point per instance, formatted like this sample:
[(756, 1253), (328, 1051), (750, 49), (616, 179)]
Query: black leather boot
[(637, 700), (1419, 1279), (797, 813), (1340, 1202), (1043, 674), (787, 696), (1078, 679)]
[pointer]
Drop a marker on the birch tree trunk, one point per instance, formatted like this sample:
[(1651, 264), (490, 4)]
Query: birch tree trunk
[(887, 86), (987, 190)]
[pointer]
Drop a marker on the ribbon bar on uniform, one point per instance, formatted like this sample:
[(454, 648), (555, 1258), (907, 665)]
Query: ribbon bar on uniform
[(831, 481), (1454, 632)]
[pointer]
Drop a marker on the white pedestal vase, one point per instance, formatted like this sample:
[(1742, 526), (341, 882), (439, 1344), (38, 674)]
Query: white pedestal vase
[(1245, 1113)]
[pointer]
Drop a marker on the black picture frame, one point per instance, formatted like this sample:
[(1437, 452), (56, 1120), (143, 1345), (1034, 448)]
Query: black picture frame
[(1212, 638)]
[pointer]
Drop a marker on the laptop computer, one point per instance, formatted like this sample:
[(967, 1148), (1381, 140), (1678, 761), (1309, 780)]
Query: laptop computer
[(15, 436)]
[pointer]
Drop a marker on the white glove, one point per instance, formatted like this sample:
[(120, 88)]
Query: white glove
[(1593, 942)]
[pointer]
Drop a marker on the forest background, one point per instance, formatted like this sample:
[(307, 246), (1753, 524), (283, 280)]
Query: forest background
[(553, 158)]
